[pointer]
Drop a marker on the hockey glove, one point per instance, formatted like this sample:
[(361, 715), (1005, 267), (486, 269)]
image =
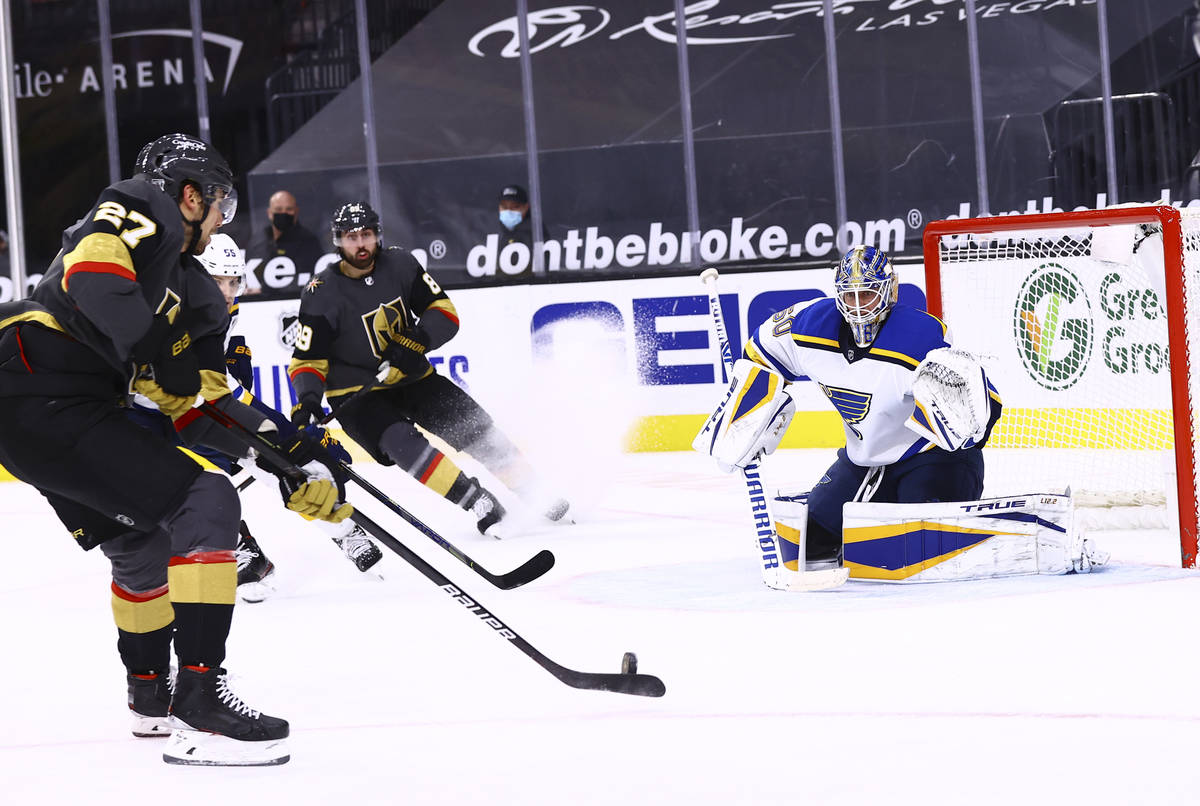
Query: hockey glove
[(325, 439), (171, 379), (308, 410), (406, 355), (237, 362), (320, 493)]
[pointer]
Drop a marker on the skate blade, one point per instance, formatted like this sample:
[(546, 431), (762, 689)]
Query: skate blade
[(199, 749), (151, 727), (255, 592)]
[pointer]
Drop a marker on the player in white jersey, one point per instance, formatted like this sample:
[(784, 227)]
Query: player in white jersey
[(863, 349)]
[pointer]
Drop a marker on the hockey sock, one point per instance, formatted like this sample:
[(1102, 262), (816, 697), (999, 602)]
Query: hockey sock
[(200, 632), (145, 623), (146, 653)]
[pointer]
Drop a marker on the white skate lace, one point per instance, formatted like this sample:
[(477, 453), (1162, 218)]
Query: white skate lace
[(243, 557), (231, 700), (354, 546), (483, 506)]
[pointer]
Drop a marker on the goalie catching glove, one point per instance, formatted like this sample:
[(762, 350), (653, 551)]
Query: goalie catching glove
[(953, 405), (319, 493), (750, 420)]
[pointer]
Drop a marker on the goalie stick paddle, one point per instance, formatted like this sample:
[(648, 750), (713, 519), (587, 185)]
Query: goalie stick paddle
[(643, 685), (527, 572)]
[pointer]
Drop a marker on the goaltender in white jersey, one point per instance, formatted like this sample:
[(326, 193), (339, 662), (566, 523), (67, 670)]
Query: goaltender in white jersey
[(916, 415)]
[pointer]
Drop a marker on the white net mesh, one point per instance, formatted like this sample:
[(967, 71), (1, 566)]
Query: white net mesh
[(1070, 322)]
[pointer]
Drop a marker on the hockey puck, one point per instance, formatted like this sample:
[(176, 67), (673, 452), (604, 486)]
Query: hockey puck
[(629, 663)]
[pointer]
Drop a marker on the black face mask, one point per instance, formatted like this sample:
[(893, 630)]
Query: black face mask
[(283, 221)]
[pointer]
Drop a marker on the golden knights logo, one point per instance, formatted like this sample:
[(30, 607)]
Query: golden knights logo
[(381, 323)]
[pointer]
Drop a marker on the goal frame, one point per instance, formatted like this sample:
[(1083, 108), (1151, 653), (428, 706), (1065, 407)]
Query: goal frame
[(1170, 219)]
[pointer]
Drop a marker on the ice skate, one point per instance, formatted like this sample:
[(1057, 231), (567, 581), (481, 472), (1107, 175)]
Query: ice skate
[(211, 726), (359, 549), (489, 512), (255, 573), (150, 703)]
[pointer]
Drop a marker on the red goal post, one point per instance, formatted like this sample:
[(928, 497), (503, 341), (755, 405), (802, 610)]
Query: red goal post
[(1067, 312)]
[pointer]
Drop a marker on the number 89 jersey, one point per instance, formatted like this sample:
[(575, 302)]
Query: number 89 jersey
[(120, 265), (346, 323)]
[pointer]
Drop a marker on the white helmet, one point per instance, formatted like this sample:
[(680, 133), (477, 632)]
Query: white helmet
[(222, 258)]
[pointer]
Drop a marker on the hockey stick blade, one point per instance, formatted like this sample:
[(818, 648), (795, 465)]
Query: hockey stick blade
[(639, 684), (528, 571), (636, 684)]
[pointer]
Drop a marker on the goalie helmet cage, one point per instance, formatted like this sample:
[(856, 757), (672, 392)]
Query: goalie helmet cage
[(1066, 311)]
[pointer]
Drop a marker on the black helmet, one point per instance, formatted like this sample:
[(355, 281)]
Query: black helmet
[(353, 216), (173, 160)]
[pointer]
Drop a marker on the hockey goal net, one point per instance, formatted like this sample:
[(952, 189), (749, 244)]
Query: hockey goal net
[(1087, 324)]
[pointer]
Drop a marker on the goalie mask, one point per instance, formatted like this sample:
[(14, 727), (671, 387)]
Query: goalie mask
[(866, 290)]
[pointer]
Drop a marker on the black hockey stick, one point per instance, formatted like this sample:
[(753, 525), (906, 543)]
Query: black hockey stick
[(358, 394), (532, 568), (643, 685)]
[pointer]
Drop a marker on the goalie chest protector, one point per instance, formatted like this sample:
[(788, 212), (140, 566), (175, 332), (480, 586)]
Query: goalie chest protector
[(871, 387)]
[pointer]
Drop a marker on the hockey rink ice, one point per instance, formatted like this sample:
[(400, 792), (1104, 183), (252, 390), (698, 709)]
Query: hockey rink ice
[(1076, 689)]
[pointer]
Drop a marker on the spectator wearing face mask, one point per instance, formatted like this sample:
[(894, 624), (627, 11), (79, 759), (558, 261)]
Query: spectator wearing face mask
[(283, 240), (516, 226)]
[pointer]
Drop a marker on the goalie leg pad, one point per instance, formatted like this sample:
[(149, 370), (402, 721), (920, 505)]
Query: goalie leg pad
[(937, 542), (750, 420), (796, 572)]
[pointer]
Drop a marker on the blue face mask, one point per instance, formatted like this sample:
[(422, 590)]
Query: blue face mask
[(510, 218)]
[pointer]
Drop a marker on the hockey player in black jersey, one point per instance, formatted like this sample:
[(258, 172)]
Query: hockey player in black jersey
[(119, 312), (379, 306)]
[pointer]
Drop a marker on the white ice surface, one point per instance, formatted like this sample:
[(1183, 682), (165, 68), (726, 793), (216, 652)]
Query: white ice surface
[(1032, 690)]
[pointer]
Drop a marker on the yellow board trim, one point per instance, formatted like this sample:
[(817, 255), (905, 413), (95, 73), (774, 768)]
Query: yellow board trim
[(675, 432)]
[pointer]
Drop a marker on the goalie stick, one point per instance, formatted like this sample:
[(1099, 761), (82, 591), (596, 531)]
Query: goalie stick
[(774, 575), (643, 685)]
